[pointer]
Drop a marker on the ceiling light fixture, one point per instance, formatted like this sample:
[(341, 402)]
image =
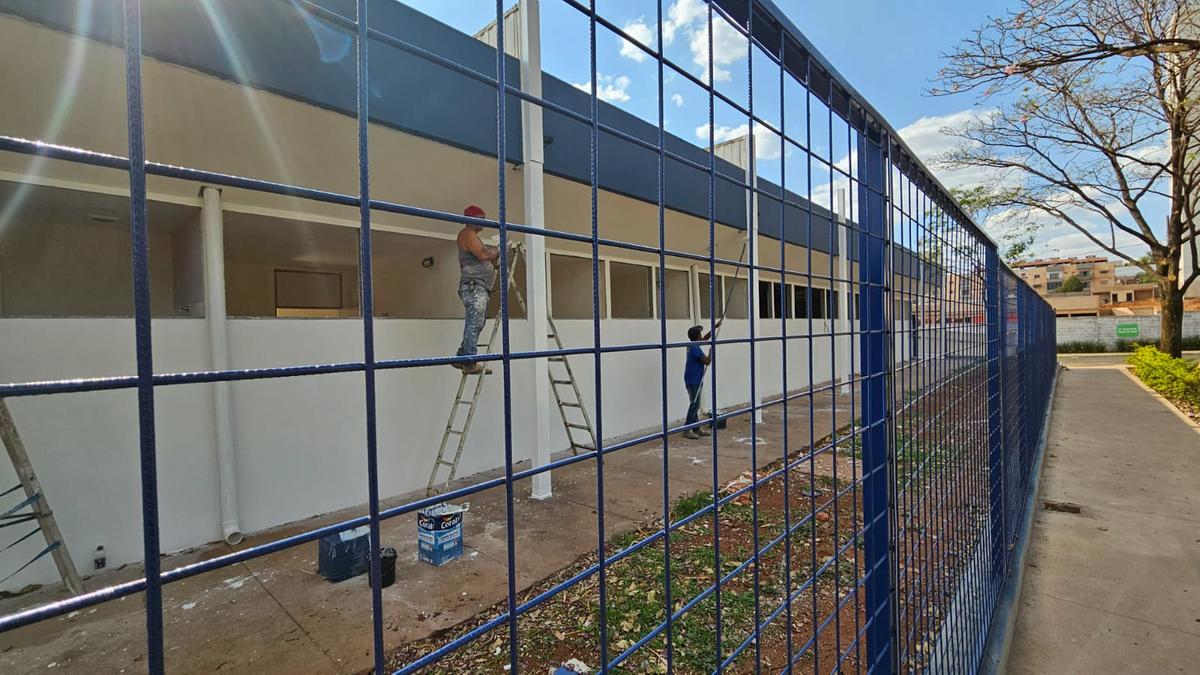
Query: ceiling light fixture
[(102, 216)]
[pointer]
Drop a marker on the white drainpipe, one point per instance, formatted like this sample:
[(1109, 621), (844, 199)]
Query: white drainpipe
[(212, 230)]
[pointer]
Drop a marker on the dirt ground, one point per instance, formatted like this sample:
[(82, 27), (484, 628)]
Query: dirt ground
[(274, 614)]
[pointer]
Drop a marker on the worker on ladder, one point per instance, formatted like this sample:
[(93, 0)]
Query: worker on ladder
[(693, 377), (477, 266)]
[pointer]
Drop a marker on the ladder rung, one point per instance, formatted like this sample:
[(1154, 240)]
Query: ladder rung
[(578, 426), (445, 463), (571, 405), (553, 381), (557, 358), (454, 431), (461, 400)]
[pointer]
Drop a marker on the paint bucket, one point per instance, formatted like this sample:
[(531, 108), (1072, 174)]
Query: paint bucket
[(387, 567), (439, 533), (345, 554)]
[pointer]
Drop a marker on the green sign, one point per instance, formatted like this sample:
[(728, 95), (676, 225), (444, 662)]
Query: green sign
[(1127, 330)]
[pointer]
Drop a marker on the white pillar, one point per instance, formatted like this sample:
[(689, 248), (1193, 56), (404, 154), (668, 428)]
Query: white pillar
[(536, 297), (845, 364), (212, 234), (752, 310), (694, 292)]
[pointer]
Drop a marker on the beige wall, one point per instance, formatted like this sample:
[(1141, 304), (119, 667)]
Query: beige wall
[(570, 280), (200, 121), (250, 287), (204, 122), (67, 269), (188, 266), (1074, 304)]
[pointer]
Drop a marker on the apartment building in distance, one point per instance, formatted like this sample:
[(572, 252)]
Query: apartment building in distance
[(1106, 287), (1047, 275)]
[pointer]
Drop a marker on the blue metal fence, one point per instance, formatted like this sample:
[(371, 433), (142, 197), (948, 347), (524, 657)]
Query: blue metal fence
[(954, 358)]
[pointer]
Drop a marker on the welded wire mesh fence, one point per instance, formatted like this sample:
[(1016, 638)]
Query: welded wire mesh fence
[(901, 370)]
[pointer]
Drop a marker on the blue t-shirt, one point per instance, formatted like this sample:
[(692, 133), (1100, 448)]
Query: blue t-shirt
[(693, 372)]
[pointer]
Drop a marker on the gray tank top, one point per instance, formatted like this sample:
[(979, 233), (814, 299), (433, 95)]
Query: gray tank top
[(475, 270)]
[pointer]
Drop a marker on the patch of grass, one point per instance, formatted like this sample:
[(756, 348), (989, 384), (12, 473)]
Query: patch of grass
[(690, 504)]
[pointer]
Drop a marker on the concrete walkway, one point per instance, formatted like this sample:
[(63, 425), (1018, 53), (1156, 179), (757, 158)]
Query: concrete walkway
[(1115, 588)]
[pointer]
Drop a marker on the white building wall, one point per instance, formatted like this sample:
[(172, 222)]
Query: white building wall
[(301, 441), (84, 447), (1104, 328)]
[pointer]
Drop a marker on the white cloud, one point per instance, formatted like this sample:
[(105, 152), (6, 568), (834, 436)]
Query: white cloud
[(1057, 237), (766, 143), (608, 88), (681, 15), (690, 18), (729, 46), (722, 134), (677, 99), (640, 31), (930, 137)]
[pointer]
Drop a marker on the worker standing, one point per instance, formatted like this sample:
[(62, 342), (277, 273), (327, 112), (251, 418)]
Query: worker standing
[(693, 377), (477, 272)]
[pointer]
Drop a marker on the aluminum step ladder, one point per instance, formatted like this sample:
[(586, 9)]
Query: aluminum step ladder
[(563, 384), (569, 399), (39, 508)]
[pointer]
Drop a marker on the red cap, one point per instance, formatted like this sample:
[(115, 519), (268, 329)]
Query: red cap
[(474, 212)]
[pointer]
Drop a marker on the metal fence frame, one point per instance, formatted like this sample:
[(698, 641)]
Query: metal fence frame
[(913, 615)]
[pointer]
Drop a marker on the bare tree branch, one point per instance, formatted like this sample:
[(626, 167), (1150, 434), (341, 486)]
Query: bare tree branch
[(1096, 116)]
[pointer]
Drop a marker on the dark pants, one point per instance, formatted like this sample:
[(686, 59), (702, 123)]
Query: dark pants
[(693, 414)]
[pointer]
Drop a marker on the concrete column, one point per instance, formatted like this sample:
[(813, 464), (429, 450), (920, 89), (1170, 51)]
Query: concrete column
[(694, 292), (845, 366), (213, 236), (536, 299), (752, 291)]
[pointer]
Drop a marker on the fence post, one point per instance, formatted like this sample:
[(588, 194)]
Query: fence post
[(877, 487), (995, 334)]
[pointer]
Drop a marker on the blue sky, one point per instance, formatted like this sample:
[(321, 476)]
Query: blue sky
[(889, 50)]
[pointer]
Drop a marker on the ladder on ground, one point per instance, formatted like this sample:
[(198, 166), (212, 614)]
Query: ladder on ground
[(575, 418), (39, 508)]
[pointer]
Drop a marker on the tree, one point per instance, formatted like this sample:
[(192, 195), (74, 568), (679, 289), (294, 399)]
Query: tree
[(1094, 111), (1017, 240), (1072, 284), (1146, 277)]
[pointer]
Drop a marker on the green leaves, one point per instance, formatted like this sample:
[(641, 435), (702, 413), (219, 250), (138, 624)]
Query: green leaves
[(1176, 379)]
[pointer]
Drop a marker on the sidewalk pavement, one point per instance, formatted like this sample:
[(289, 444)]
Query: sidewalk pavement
[(1116, 587)]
